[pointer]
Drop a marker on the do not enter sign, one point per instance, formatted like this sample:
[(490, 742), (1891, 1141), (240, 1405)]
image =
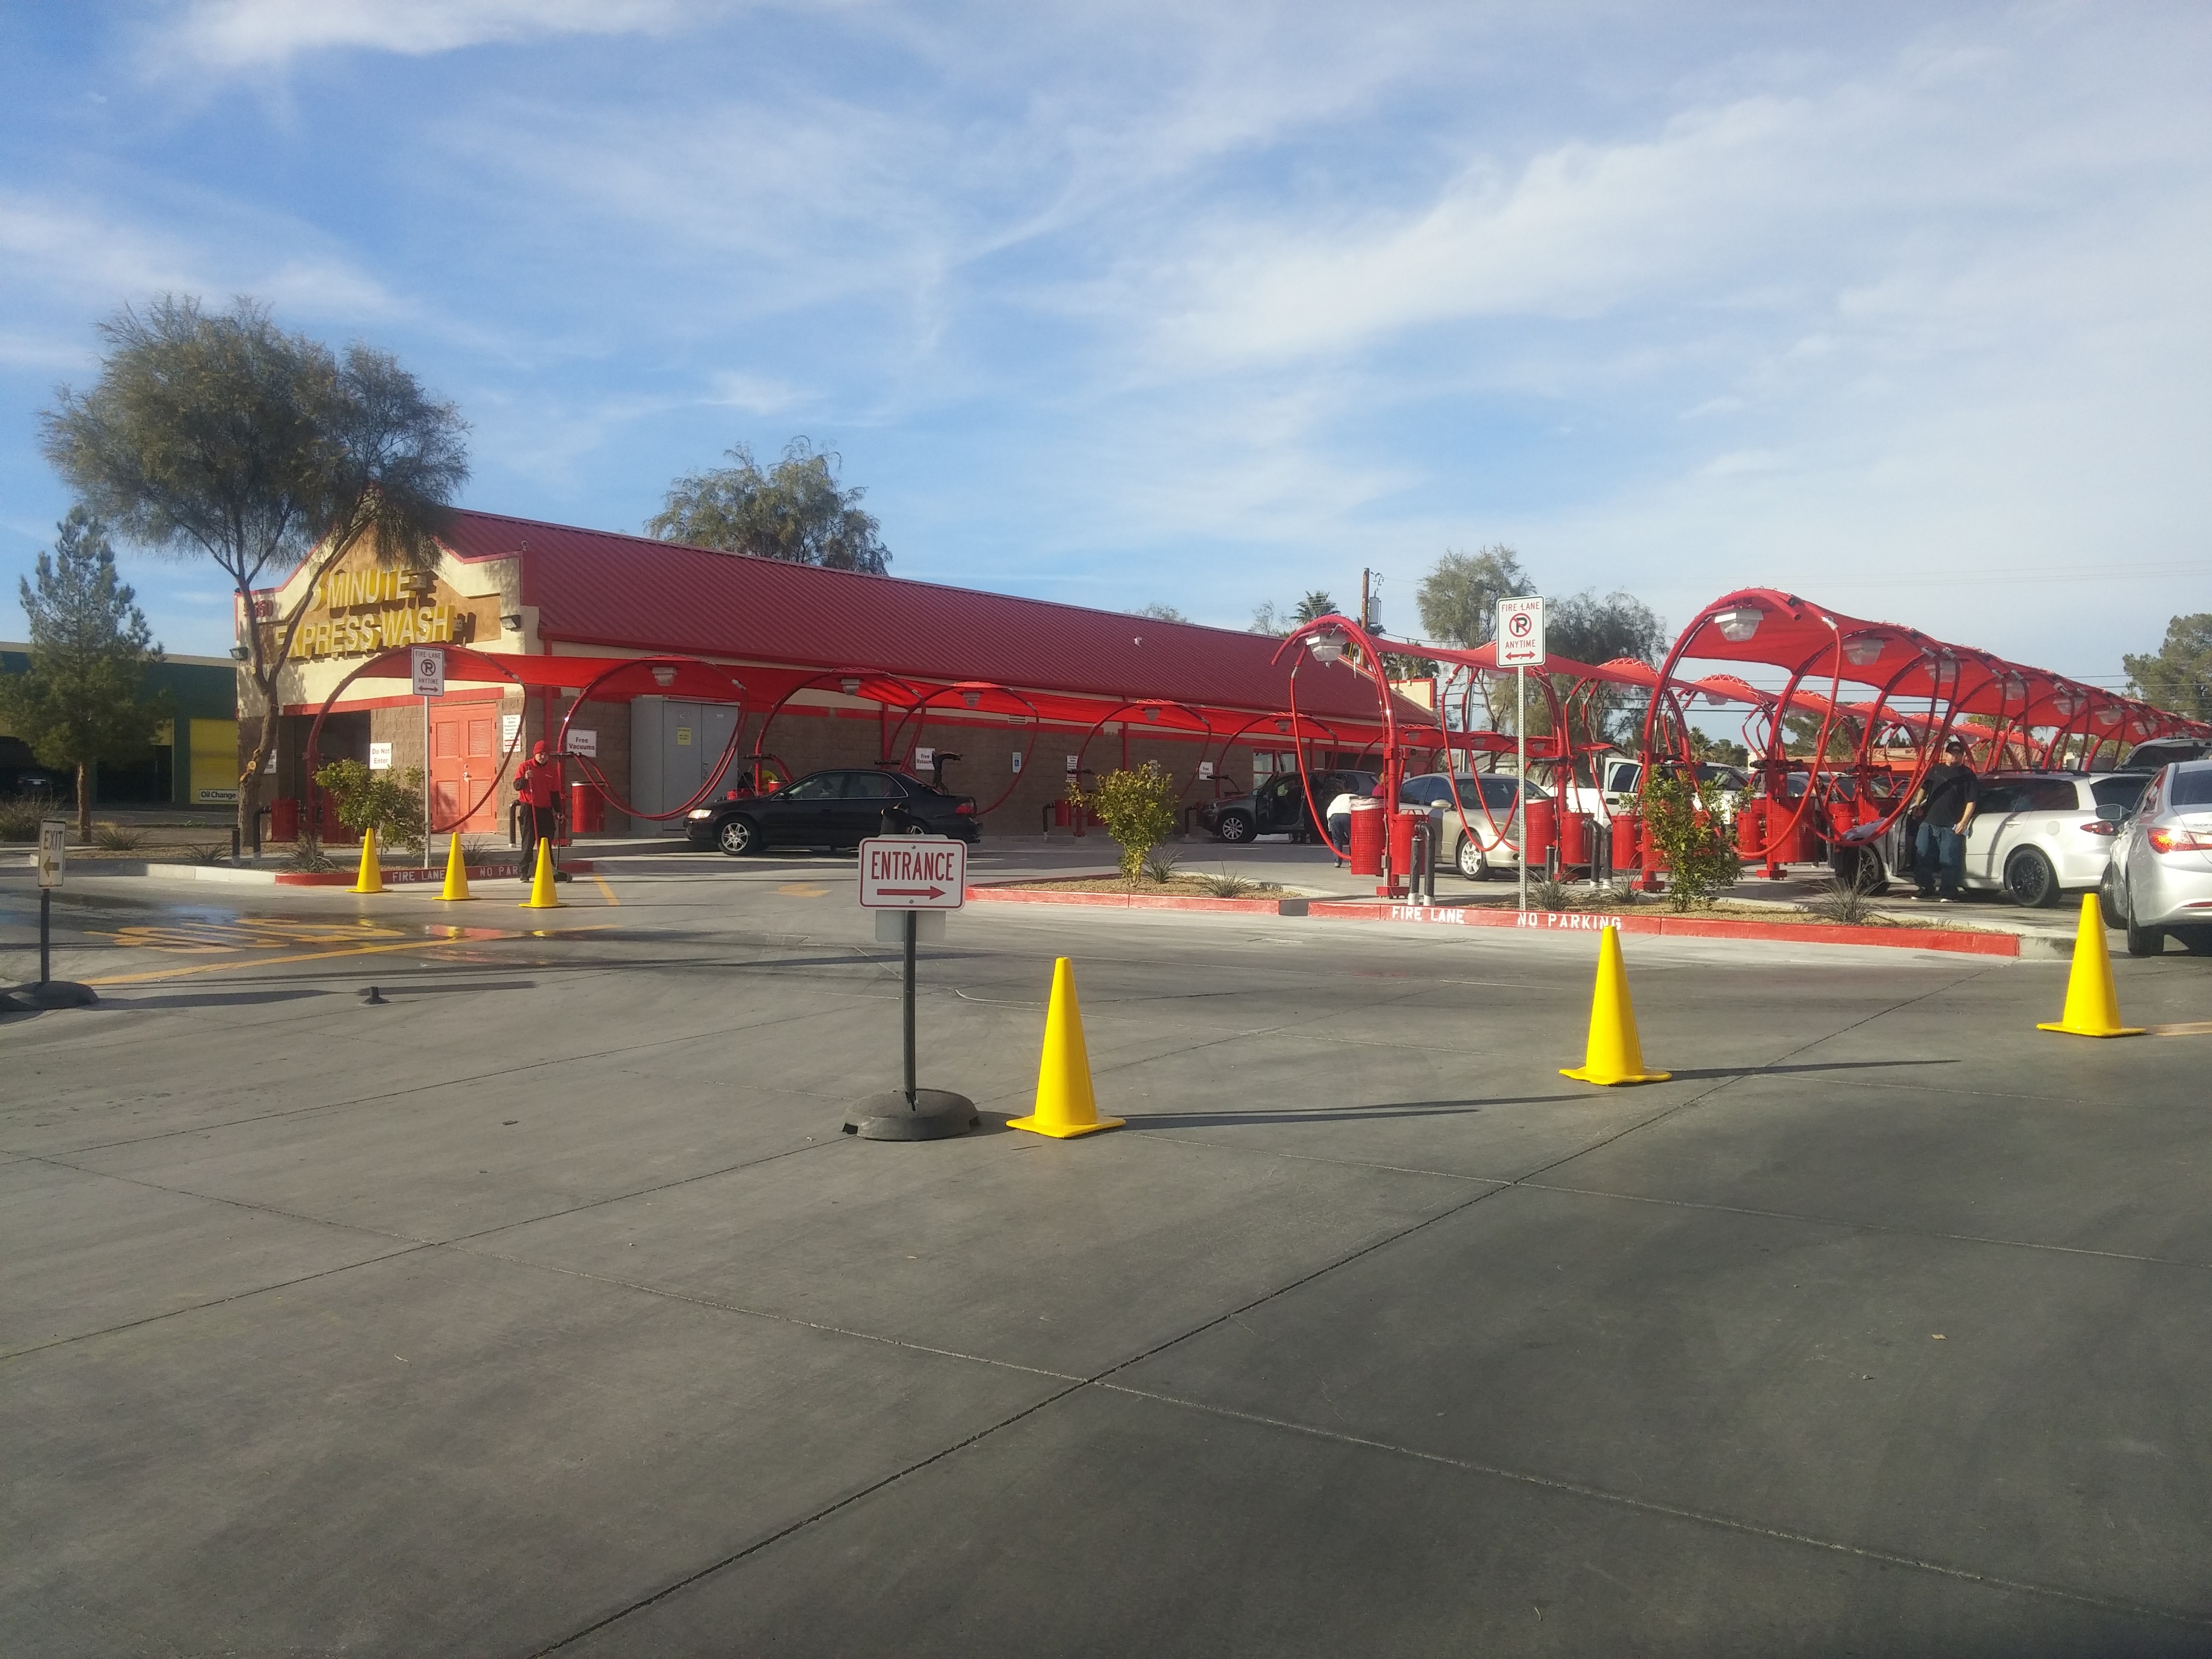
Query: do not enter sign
[(913, 873)]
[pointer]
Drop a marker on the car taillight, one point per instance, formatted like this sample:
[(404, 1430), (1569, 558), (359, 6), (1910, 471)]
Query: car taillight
[(966, 809), (2179, 841), (2098, 827)]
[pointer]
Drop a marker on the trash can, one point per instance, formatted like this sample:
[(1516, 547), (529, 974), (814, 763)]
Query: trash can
[(1401, 844), (1367, 832), (1751, 829), (1574, 841), (1627, 841), (587, 810), (284, 819), (1540, 826)]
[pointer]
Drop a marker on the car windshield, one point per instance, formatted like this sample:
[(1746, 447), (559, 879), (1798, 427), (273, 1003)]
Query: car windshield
[(2118, 792), (2192, 786)]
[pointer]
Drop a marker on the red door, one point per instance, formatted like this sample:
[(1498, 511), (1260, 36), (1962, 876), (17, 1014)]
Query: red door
[(464, 760)]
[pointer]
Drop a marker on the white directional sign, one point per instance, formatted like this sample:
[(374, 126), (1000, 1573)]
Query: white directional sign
[(54, 851), (913, 873), (429, 665), (1520, 633)]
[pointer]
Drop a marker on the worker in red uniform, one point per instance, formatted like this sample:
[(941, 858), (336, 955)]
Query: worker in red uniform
[(538, 788)]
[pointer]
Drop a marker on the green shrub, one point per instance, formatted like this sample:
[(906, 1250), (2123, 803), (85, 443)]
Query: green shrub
[(1228, 884), (1137, 807), (1684, 817), (1546, 894), (390, 803), (114, 837), (20, 818)]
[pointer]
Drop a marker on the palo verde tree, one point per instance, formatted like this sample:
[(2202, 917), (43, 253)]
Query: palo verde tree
[(794, 511), (223, 438), (84, 699)]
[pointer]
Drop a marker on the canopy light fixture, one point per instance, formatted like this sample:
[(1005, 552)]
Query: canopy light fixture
[(1326, 646), (2015, 686), (973, 699), (1740, 623), (2069, 703), (2108, 717), (1282, 726), (240, 654), (1861, 651), (1152, 714), (664, 675), (850, 685), (511, 621)]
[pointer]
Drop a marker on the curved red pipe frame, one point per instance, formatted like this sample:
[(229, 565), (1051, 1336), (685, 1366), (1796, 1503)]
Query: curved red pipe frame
[(590, 767), (315, 731)]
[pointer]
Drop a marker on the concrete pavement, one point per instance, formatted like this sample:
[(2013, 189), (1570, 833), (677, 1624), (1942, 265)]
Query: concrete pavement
[(544, 1309)]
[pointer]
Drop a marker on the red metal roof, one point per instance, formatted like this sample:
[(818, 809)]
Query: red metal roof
[(594, 587)]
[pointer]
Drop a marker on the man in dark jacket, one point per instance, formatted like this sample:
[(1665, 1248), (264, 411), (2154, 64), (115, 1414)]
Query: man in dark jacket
[(1946, 802)]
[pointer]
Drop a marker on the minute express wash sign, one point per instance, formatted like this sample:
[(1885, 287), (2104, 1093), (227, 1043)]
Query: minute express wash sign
[(360, 612)]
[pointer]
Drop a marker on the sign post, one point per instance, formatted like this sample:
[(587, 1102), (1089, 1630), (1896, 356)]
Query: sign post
[(53, 869), (906, 879), (1521, 647), (429, 663)]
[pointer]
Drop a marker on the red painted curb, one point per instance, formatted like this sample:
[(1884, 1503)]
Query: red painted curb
[(1126, 901), (1958, 941), (412, 877), (1589, 921)]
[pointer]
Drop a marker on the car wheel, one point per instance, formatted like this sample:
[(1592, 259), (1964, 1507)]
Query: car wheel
[(1861, 868), (1233, 826), (2108, 904), (738, 837), (2030, 881), (1472, 864), (2143, 941)]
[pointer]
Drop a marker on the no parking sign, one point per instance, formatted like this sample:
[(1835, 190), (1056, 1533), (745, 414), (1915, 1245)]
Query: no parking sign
[(1520, 633)]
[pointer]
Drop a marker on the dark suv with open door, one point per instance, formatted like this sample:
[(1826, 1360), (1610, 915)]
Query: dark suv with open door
[(1280, 806), (832, 810)]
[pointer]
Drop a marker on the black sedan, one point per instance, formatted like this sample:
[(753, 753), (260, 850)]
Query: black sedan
[(831, 810)]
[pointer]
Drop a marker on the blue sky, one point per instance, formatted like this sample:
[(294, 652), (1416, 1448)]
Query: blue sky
[(1208, 306)]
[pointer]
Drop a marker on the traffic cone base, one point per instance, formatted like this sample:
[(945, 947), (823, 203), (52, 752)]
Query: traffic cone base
[(1066, 1106), (1613, 1055), (2093, 1007), (371, 878), (457, 875), (542, 897)]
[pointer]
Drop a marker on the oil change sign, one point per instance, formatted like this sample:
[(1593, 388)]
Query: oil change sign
[(913, 873)]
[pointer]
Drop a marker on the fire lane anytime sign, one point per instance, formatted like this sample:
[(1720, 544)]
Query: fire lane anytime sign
[(913, 872)]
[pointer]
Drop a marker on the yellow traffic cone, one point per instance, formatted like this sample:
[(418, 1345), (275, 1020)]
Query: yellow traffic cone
[(540, 883), (2092, 1008), (371, 878), (457, 875), (1613, 1055), (1065, 1105)]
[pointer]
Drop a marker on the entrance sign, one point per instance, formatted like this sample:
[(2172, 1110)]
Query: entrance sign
[(1520, 633), (54, 851), (913, 872), (430, 671)]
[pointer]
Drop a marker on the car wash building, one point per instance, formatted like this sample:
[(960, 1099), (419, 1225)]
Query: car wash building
[(679, 672)]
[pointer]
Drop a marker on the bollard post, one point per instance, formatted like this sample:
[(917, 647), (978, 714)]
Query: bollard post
[(913, 920)]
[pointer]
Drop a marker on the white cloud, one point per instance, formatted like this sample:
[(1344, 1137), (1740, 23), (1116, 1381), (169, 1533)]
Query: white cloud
[(240, 34)]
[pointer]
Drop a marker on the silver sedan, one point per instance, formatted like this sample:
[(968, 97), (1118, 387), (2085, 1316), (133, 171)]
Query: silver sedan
[(2159, 879)]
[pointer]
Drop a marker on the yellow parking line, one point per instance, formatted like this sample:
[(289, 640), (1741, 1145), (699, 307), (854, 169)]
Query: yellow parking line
[(603, 888), (2191, 1027), (324, 955)]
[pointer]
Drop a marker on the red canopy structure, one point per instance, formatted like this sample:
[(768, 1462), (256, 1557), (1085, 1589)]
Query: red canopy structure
[(1925, 690)]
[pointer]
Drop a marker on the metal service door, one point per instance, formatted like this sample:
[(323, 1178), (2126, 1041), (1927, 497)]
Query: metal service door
[(464, 757)]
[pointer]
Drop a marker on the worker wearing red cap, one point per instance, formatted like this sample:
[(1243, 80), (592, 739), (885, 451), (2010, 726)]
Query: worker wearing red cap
[(538, 788)]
